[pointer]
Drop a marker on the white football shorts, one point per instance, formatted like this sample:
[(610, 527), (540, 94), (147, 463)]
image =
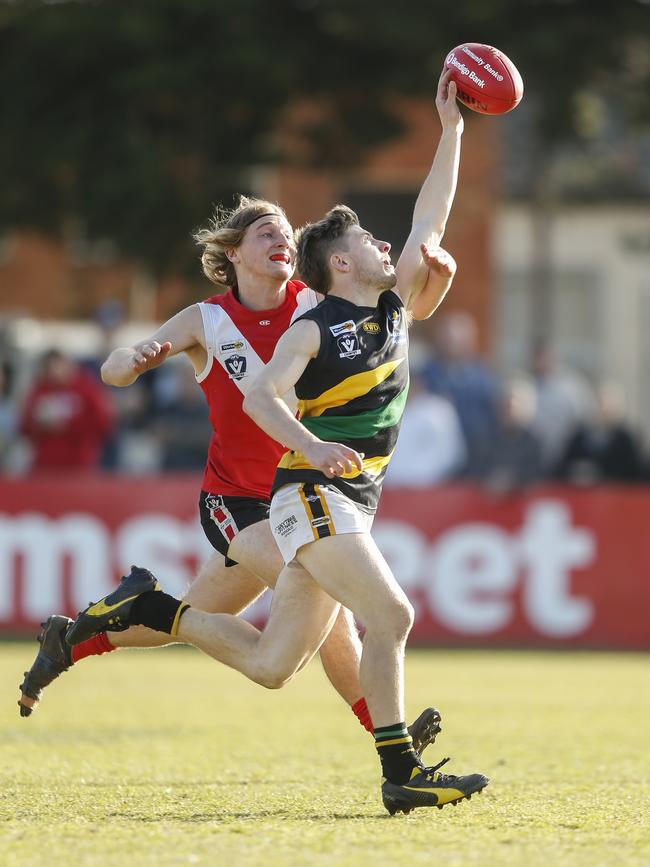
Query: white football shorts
[(302, 513)]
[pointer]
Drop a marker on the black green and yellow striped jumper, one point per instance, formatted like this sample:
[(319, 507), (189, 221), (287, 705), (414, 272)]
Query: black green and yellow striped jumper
[(353, 392)]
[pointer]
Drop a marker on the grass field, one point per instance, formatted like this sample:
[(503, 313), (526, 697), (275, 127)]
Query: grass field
[(161, 758)]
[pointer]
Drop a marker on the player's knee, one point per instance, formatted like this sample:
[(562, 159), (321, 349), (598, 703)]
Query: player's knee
[(406, 617), (272, 677), (400, 619), (392, 623)]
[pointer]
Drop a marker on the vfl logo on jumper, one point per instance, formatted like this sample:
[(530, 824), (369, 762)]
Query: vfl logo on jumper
[(347, 327), (232, 346), (286, 527), (236, 366), (349, 346)]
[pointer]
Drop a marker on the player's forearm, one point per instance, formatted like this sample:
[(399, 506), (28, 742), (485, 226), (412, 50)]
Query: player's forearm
[(436, 196), (431, 296), (118, 367), (272, 414)]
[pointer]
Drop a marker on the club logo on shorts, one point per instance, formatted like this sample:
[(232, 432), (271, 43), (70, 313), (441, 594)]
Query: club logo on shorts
[(286, 527), (347, 327), (220, 516), (349, 346), (236, 366)]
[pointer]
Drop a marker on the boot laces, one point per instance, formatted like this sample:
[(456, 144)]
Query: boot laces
[(440, 778)]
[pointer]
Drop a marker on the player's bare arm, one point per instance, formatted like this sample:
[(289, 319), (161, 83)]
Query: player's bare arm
[(264, 403), (182, 333), (442, 268), (435, 199)]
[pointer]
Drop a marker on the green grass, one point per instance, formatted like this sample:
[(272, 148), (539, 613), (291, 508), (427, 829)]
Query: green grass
[(165, 757)]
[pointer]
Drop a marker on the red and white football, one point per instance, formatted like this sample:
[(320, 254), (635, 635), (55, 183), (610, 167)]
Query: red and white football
[(487, 81)]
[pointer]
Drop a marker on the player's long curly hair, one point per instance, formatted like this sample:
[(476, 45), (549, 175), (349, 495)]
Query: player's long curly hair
[(315, 242), (226, 230)]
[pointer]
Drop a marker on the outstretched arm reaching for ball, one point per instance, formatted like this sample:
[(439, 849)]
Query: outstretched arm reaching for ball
[(435, 199), (182, 333)]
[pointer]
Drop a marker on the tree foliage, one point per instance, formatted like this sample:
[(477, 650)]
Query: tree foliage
[(134, 117)]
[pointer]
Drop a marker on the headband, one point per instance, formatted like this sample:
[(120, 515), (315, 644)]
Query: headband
[(258, 217)]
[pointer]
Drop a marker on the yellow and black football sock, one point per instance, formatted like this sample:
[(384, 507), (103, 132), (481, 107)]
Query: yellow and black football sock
[(158, 611), (395, 747)]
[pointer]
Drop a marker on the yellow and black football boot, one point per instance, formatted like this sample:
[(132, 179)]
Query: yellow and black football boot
[(111, 614), (53, 658), (425, 729), (430, 788)]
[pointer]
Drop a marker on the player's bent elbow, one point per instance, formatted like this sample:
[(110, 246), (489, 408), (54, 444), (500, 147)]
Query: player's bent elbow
[(252, 401), (248, 404), (422, 311), (107, 375)]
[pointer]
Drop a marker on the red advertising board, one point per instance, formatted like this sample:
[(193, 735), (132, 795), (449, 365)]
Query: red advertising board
[(557, 567)]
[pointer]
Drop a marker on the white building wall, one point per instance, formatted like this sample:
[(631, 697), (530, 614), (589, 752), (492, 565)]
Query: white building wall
[(600, 261)]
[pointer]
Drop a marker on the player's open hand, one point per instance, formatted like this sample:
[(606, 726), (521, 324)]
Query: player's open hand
[(334, 459), (149, 355), (439, 261), (448, 109)]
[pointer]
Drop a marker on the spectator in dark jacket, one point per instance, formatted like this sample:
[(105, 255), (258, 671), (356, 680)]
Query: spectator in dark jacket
[(606, 449), (510, 459)]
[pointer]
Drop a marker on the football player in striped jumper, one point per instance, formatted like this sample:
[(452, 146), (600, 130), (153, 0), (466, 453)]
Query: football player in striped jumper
[(347, 361)]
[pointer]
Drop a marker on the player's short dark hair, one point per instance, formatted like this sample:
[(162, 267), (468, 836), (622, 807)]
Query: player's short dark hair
[(315, 243)]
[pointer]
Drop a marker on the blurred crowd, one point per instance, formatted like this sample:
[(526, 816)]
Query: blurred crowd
[(462, 421)]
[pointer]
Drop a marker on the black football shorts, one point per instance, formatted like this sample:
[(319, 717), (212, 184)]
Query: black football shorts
[(223, 517)]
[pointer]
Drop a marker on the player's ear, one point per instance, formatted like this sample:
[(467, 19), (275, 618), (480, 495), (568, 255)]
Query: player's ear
[(339, 262), (232, 254)]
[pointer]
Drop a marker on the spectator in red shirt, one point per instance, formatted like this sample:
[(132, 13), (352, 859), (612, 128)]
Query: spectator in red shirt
[(66, 416)]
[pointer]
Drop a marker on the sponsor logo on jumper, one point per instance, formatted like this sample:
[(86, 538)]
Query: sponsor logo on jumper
[(452, 60), (232, 346), (236, 366), (371, 327), (320, 522), (287, 526), (350, 326), (349, 346), (265, 321)]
